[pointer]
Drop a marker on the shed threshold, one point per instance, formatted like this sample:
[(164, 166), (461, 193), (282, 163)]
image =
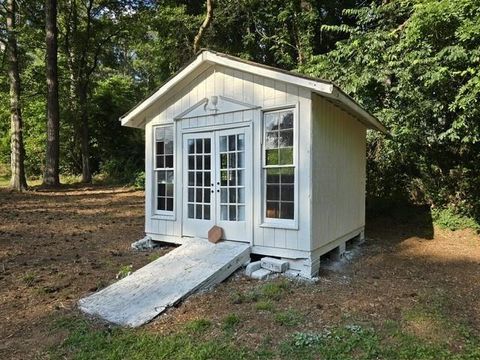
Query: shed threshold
[(149, 291)]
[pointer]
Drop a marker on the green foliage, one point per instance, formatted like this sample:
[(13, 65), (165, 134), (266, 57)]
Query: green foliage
[(264, 305), (288, 318), (124, 271), (198, 325), (415, 65), (230, 322), (448, 218), (85, 342)]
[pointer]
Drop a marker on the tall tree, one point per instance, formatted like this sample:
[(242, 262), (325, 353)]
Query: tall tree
[(51, 174), (18, 180), (204, 26)]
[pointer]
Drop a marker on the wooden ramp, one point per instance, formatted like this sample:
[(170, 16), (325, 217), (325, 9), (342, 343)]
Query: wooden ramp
[(149, 291)]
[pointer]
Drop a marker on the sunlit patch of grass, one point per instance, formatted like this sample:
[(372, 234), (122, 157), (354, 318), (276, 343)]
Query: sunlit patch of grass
[(198, 325), (264, 305), (288, 318), (230, 322), (29, 279)]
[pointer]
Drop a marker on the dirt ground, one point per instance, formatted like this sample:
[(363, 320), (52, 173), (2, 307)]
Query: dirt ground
[(57, 246)]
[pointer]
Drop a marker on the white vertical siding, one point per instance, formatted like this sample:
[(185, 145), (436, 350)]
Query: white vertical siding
[(339, 173), (251, 89)]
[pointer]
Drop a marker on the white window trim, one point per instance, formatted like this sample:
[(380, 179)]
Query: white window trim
[(163, 214), (273, 222)]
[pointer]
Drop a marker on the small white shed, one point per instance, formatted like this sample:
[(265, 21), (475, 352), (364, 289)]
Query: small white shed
[(275, 158)]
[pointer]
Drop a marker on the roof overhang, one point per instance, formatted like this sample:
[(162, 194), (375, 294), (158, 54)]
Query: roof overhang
[(207, 58)]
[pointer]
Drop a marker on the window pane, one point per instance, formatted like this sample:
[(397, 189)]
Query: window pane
[(224, 212), (232, 195), (169, 204), (287, 175), (207, 162), (286, 138), (198, 211), (161, 189), (241, 160), (273, 176), (199, 146), (160, 133), (241, 196), (231, 143), (241, 177), (223, 178), (191, 178), (271, 121), (287, 210), (169, 176), (224, 195), (232, 215), (191, 162), (191, 147), (161, 203), (286, 121), (240, 142), (232, 160), (272, 209), (198, 197), (286, 156), (159, 147), (287, 192), (199, 162), (271, 140), (169, 190), (273, 192), (191, 211), (223, 143), (191, 194), (206, 196), (223, 161), (206, 212), (169, 161), (207, 179), (160, 161), (207, 146), (272, 157), (241, 213), (199, 179)]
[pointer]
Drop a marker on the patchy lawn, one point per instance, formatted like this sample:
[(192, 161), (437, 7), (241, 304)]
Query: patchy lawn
[(411, 292)]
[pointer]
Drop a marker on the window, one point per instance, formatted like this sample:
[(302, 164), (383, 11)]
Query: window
[(279, 165), (164, 171)]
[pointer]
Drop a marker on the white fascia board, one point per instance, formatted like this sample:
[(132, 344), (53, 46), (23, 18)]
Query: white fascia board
[(318, 86), (163, 90)]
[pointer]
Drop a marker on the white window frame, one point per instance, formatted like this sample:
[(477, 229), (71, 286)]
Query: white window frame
[(274, 222), (163, 214)]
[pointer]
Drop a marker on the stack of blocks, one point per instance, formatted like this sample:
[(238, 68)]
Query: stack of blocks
[(266, 266)]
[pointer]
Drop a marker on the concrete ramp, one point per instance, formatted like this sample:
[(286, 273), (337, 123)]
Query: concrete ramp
[(138, 298)]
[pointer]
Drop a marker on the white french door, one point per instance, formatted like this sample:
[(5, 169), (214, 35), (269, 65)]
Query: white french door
[(217, 183)]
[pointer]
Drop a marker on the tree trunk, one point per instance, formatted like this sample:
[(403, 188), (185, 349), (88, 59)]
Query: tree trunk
[(51, 174), (85, 134), (18, 180), (203, 27)]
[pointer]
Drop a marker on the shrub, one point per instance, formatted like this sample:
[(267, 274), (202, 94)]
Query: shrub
[(447, 218)]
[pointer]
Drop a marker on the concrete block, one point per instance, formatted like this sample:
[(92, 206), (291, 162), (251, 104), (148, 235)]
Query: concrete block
[(253, 266), (260, 274), (275, 265)]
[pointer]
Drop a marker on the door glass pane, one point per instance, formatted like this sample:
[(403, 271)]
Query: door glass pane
[(231, 161), (199, 179)]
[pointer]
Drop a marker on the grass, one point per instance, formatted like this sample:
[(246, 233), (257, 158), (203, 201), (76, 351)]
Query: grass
[(288, 318), (198, 326), (352, 341), (230, 322)]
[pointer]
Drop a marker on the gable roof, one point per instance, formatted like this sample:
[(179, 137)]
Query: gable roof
[(206, 58)]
